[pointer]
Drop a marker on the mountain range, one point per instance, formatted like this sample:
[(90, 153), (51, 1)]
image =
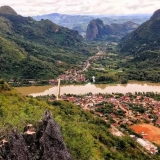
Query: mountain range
[(80, 22), (42, 49)]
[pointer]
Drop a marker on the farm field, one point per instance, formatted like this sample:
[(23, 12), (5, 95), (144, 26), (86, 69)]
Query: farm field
[(151, 132)]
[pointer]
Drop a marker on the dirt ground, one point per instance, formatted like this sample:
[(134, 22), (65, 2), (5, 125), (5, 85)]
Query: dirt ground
[(153, 133)]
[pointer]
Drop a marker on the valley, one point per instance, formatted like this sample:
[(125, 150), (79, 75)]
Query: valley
[(107, 102), (46, 51), (107, 65)]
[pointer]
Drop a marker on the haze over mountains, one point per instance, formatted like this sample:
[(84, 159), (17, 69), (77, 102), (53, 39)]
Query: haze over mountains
[(143, 43), (80, 22)]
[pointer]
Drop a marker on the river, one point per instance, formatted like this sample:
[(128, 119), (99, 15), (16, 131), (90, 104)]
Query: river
[(132, 86)]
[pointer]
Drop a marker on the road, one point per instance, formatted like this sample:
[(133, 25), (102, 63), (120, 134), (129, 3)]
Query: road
[(97, 54), (120, 106), (87, 65)]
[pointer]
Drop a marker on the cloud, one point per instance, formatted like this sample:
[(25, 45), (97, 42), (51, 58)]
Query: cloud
[(38, 7)]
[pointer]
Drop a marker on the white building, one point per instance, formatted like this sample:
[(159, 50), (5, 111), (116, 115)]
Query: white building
[(147, 145)]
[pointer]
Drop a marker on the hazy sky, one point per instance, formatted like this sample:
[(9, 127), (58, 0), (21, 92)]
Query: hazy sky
[(39, 7)]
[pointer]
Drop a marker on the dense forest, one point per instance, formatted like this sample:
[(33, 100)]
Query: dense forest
[(32, 49)]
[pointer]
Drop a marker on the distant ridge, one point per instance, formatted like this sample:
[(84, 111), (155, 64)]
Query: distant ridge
[(145, 37), (156, 15), (80, 22), (7, 10)]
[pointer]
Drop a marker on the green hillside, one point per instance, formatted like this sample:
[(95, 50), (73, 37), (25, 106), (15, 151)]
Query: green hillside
[(143, 67), (143, 45), (145, 37), (32, 50), (87, 137)]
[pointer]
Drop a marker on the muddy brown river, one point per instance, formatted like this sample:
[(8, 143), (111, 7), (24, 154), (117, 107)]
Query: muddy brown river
[(132, 86)]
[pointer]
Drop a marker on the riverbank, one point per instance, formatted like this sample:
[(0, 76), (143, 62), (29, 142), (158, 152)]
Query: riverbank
[(133, 86)]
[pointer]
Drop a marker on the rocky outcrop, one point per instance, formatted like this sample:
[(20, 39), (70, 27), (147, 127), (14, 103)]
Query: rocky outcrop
[(15, 148), (97, 30), (52, 143), (92, 31), (44, 143), (7, 10)]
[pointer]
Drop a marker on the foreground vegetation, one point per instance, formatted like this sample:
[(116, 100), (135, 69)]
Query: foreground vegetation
[(86, 136)]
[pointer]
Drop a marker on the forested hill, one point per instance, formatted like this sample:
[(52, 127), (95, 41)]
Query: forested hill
[(86, 136), (145, 37), (143, 44), (31, 49)]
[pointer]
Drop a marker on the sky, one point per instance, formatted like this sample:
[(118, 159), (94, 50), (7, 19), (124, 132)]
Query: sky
[(100, 7)]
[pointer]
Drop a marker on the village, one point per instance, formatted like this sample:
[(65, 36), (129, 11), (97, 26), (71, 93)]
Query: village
[(73, 75), (69, 76), (122, 111)]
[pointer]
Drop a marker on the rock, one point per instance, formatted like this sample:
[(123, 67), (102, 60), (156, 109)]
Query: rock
[(92, 31), (3, 148), (97, 30), (52, 141), (31, 143), (17, 147), (45, 143)]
